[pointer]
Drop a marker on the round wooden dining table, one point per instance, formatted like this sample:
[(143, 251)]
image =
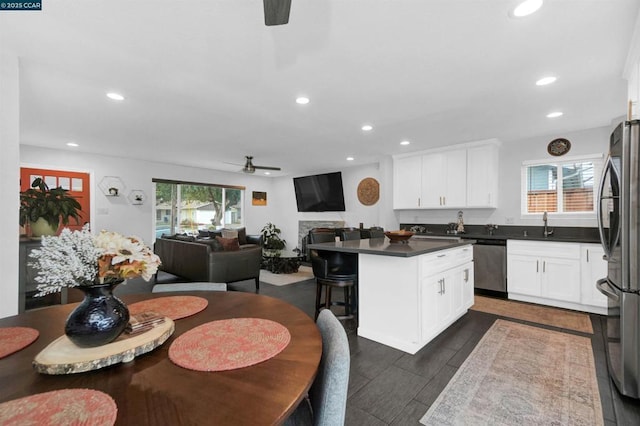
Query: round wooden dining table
[(152, 390)]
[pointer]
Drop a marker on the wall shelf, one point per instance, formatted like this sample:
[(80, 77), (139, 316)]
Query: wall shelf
[(112, 186)]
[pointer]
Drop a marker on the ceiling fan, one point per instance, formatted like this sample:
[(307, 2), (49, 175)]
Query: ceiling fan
[(249, 167), (276, 12)]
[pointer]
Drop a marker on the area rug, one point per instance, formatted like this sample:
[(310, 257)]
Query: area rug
[(522, 375), (304, 273), (560, 318)]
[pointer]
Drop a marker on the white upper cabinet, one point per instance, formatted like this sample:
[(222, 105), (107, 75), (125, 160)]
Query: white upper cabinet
[(407, 173), (482, 176), (444, 179), (461, 176)]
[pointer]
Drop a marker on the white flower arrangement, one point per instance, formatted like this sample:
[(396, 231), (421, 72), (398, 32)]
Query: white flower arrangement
[(78, 258)]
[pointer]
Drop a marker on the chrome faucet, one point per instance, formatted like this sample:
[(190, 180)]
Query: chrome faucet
[(547, 232)]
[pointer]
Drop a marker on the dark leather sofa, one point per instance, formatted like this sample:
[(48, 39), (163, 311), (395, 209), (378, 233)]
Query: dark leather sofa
[(197, 260)]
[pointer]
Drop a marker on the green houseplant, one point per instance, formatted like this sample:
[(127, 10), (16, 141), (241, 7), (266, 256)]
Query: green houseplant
[(40, 206), (271, 237)]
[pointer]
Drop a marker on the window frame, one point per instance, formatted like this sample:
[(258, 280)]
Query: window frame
[(598, 163), (172, 227)]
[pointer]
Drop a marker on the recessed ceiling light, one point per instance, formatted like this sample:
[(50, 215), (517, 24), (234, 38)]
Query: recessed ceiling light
[(405, 143), (302, 100), (350, 158), (115, 96), (73, 144), (526, 8), (554, 114), (367, 127), (546, 80), (267, 173)]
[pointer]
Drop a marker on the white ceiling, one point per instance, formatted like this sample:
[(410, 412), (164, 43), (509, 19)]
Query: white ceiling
[(206, 82)]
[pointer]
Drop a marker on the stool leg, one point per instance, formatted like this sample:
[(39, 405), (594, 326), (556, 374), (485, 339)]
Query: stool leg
[(327, 297), (347, 305), (318, 298)]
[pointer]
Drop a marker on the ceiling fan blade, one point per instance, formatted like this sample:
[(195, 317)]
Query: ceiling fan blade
[(276, 12), (266, 167)]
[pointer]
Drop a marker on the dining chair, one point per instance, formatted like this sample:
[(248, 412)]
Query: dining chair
[(349, 234), (373, 233), (199, 286), (327, 402)]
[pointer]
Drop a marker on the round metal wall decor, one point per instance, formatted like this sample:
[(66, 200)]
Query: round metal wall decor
[(368, 191), (558, 147)]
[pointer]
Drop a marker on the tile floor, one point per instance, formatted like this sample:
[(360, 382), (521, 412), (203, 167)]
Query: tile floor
[(390, 387)]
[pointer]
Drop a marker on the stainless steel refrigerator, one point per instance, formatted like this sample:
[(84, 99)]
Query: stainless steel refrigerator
[(619, 224)]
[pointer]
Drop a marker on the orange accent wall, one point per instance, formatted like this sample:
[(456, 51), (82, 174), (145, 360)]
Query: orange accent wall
[(78, 184)]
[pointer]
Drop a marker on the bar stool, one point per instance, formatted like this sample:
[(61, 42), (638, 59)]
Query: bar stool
[(334, 270), (349, 234)]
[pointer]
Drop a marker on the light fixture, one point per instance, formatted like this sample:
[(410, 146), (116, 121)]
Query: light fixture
[(302, 100), (73, 144), (267, 173), (350, 158), (554, 114), (115, 96), (405, 143), (367, 128), (526, 8), (546, 80)]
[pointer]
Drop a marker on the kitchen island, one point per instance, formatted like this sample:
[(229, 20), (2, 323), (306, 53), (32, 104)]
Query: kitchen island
[(409, 293)]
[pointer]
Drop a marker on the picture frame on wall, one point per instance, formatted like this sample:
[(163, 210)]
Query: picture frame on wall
[(258, 198)]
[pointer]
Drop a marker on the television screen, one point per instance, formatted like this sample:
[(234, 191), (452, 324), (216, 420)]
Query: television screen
[(319, 193)]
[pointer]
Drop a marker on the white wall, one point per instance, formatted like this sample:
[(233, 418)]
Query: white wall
[(10, 178), (118, 214), (287, 216), (512, 154)]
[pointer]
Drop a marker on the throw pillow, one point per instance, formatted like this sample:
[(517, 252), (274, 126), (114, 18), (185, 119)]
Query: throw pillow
[(214, 234), (211, 242), (229, 244), (229, 233), (239, 233)]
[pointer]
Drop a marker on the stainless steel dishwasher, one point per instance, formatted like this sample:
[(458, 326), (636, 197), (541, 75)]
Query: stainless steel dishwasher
[(490, 265)]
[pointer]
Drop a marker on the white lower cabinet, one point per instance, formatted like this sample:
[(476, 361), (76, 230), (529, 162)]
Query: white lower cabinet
[(552, 273), (404, 302), (446, 297)]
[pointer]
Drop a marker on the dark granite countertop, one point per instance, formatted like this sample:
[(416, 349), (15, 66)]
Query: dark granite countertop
[(382, 246), (509, 232)]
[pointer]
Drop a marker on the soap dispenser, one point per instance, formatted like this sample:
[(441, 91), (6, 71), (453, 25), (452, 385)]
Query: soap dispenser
[(460, 228)]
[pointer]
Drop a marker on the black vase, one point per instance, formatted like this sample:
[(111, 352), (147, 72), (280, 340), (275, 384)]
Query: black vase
[(99, 319)]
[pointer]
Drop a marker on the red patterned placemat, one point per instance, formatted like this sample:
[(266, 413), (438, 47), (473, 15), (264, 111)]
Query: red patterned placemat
[(174, 307), (12, 339), (229, 344), (60, 407)]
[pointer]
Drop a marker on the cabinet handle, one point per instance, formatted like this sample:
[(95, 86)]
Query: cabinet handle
[(418, 201), (544, 266), (441, 255), (441, 291), (466, 275), (444, 201), (444, 287), (587, 255), (537, 266)]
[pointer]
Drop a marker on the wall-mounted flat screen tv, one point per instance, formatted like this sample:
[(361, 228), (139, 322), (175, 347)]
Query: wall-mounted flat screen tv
[(319, 193)]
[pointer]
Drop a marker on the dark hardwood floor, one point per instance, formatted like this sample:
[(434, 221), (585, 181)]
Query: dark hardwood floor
[(390, 387)]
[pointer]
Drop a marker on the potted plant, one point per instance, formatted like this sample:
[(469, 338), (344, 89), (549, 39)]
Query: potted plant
[(44, 208), (271, 237)]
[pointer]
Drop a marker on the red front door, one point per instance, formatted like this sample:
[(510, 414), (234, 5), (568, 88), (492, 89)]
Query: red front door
[(76, 183)]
